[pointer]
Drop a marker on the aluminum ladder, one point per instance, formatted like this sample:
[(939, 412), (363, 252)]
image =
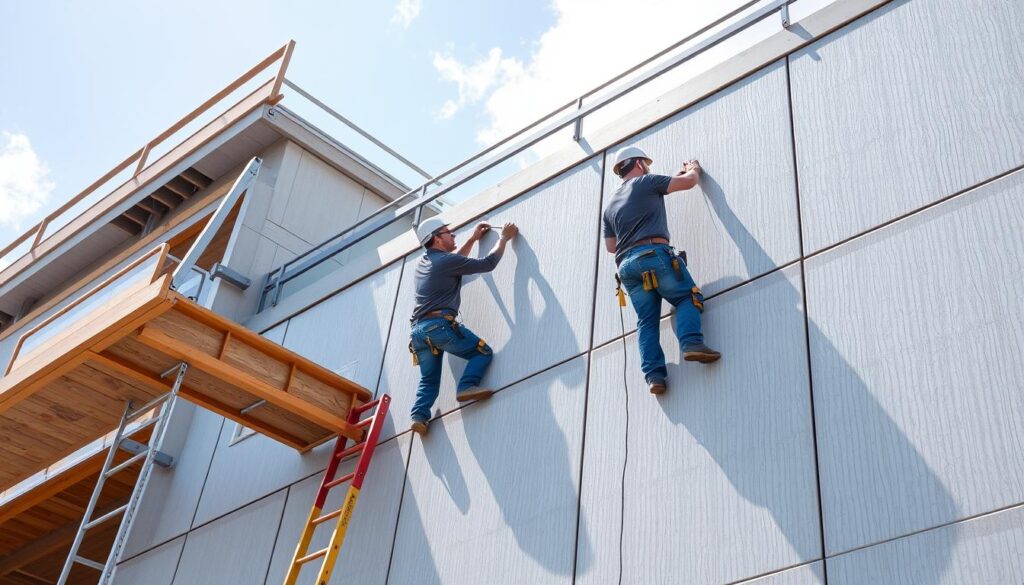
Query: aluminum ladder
[(364, 449), (149, 454)]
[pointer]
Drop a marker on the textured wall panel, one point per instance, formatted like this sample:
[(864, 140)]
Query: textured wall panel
[(492, 490), (318, 201), (982, 551), (720, 481), (812, 574), (234, 549), (914, 102), (172, 495), (917, 338), (346, 334), (534, 309), (367, 548), (742, 219), (155, 567)]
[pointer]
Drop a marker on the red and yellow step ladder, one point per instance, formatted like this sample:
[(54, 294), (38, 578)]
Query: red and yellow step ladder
[(364, 449)]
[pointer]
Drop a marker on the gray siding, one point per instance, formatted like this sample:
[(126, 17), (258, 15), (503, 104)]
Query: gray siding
[(916, 343), (915, 102), (981, 551), (720, 470), (487, 502)]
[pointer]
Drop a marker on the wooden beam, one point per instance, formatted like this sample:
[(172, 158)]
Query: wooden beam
[(197, 179), (47, 544), (237, 377)]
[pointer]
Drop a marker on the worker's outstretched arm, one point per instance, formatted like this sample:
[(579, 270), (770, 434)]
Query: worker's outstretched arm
[(488, 262), (688, 178), (478, 232)]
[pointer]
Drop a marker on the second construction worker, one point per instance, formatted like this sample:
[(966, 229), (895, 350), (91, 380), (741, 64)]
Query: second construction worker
[(635, 228), (435, 329)]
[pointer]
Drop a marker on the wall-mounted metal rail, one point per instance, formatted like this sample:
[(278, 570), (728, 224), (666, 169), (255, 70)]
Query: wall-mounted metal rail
[(413, 202)]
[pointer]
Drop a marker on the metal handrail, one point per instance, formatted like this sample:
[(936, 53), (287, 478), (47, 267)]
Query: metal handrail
[(372, 224)]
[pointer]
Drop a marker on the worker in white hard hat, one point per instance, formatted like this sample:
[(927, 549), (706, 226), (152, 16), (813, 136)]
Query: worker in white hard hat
[(635, 228), (435, 326)]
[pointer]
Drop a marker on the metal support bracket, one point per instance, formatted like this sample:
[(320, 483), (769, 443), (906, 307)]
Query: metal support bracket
[(577, 130), (784, 11), (159, 457), (230, 275)]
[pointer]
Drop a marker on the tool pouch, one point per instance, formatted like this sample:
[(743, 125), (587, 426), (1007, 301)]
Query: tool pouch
[(646, 277), (697, 298), (618, 291), (483, 348), (415, 357), (433, 348)]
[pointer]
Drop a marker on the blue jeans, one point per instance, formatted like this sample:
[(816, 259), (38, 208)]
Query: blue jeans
[(676, 288), (440, 335)]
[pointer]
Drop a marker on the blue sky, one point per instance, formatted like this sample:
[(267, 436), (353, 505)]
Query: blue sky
[(87, 84)]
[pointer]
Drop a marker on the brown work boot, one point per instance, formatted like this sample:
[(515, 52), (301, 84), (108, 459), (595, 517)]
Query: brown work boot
[(474, 393), (419, 427), (698, 352), (657, 386)]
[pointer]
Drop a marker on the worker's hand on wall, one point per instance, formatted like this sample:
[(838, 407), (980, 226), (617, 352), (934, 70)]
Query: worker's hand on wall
[(509, 231), (480, 229), (691, 165)]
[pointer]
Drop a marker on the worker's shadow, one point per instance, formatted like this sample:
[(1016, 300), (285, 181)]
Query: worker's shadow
[(530, 470), (880, 449)]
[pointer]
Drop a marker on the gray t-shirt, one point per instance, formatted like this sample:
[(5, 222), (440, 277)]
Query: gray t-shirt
[(439, 279), (636, 212)]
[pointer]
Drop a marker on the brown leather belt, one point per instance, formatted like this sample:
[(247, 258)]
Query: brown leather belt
[(437, 313), (645, 242)]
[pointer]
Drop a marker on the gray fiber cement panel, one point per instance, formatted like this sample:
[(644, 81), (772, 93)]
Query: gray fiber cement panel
[(981, 551), (741, 221), (810, 574), (913, 102), (492, 490), (720, 479), (367, 547), (155, 567), (534, 309), (917, 354), (346, 334), (234, 549), (172, 495)]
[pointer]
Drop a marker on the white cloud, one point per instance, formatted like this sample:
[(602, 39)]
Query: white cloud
[(476, 80), (406, 11), (590, 42), (25, 185)]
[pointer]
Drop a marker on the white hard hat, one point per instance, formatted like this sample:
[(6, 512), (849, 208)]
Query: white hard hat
[(627, 153), (427, 227)]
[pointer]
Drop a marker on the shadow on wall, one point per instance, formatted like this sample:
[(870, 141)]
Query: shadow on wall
[(880, 438), (537, 418)]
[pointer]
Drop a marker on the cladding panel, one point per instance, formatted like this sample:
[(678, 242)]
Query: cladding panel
[(234, 549), (719, 471), (904, 107), (542, 291), (981, 551), (492, 489), (917, 338), (154, 567), (741, 221)]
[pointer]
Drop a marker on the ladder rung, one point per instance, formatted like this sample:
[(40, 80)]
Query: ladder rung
[(365, 423), (142, 425), (351, 450), (122, 466), (364, 407), (339, 481), (311, 557), (326, 517), (146, 407), (105, 517), (89, 563)]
